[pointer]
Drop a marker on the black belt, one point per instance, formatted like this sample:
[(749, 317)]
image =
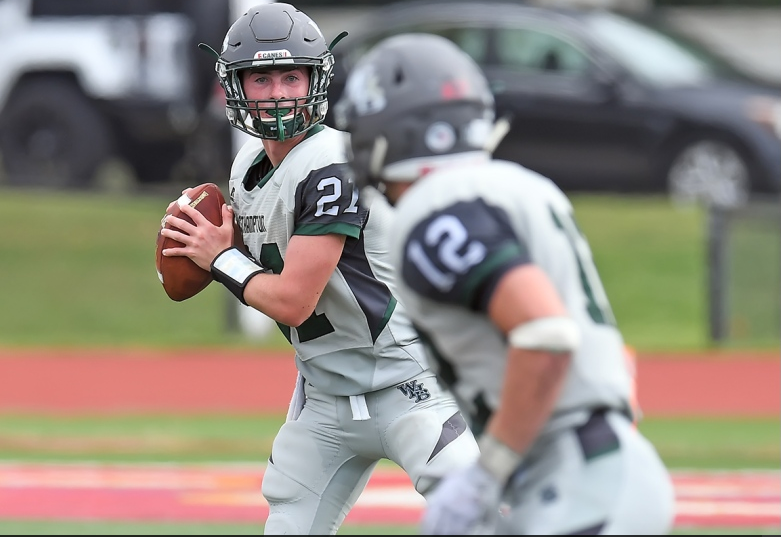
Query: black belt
[(596, 436)]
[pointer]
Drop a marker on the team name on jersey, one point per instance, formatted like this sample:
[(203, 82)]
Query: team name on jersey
[(251, 223)]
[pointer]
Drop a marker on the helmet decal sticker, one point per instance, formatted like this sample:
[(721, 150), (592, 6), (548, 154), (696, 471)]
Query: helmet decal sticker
[(272, 54), (440, 137), (455, 89), (272, 57), (365, 92), (477, 131)]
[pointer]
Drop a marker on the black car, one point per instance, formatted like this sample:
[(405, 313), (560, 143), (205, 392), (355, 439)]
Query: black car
[(603, 102)]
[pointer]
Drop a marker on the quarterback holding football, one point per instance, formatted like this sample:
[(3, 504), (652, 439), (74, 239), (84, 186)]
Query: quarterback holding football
[(316, 264)]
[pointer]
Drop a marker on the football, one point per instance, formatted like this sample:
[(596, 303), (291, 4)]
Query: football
[(180, 276)]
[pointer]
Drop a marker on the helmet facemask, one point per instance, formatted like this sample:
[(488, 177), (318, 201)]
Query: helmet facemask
[(275, 35), (289, 117)]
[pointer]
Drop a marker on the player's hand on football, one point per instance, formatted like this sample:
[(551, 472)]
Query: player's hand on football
[(465, 502), (202, 240), (174, 203)]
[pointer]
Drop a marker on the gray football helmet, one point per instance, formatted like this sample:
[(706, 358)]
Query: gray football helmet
[(275, 35), (412, 103)]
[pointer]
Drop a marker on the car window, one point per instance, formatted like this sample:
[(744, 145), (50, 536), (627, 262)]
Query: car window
[(472, 40), (530, 50), (649, 54), (80, 8), (360, 47)]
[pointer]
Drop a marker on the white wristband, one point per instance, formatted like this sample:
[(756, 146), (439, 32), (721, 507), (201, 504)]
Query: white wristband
[(498, 458), (234, 270), (235, 265)]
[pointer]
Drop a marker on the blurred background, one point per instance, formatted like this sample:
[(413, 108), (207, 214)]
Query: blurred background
[(660, 118), (678, 99), (618, 95)]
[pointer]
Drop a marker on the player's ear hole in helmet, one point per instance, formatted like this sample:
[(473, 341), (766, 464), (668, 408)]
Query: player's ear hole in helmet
[(275, 36), (413, 103)]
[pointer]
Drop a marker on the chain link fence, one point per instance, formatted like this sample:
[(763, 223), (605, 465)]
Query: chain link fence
[(744, 273)]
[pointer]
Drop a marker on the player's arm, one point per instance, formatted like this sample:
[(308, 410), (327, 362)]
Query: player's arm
[(467, 501), (469, 255), (326, 213), (526, 307), (291, 296)]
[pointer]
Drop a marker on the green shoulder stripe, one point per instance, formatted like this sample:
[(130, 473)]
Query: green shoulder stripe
[(339, 228), (485, 268)]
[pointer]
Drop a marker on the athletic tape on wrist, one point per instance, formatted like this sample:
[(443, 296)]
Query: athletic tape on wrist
[(234, 270), (498, 458), (551, 334)]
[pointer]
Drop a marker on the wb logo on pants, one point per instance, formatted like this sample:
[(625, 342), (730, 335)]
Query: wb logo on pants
[(415, 391)]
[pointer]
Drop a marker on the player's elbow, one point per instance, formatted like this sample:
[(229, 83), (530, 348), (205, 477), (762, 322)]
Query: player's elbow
[(300, 304), (548, 370), (290, 305), (295, 320), (294, 315), (557, 365)]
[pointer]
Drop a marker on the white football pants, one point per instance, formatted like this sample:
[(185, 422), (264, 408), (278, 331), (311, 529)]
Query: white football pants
[(320, 463)]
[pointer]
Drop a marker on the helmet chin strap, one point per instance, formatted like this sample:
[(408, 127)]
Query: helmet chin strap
[(500, 130), (377, 156), (278, 118), (279, 113)]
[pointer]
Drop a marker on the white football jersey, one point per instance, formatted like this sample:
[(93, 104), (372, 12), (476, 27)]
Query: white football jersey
[(457, 232), (359, 338)]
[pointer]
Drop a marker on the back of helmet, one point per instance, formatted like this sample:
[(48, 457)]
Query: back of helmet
[(413, 103)]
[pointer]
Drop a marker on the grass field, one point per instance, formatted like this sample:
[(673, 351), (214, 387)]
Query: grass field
[(82, 267), (684, 443)]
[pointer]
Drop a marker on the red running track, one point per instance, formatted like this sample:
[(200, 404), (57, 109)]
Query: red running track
[(191, 382)]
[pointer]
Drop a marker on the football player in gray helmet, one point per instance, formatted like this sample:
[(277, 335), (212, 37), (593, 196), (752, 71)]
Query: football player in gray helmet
[(501, 285), (407, 115), (316, 263), (278, 36)]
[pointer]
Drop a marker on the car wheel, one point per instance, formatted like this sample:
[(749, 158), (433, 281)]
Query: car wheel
[(51, 135), (152, 162), (709, 171)]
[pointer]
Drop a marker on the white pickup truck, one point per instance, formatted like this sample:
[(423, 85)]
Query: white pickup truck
[(86, 81)]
